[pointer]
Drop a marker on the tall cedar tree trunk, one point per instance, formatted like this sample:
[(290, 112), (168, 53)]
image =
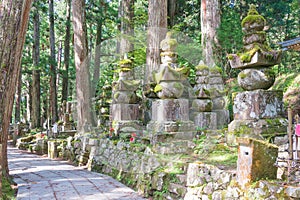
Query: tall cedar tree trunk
[(171, 12), (84, 114), (18, 98), (36, 91), (97, 59), (53, 92), (210, 21), (65, 75), (157, 28), (127, 28), (13, 25)]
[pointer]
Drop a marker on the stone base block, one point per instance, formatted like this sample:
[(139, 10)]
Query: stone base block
[(223, 118), (125, 112), (258, 104), (256, 160), (171, 136), (170, 126), (206, 120), (132, 126), (259, 129), (170, 110)]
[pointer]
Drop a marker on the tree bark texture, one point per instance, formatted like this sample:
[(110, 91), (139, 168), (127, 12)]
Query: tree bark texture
[(36, 91), (171, 12), (97, 61), (65, 75), (84, 114), (157, 28), (127, 26), (53, 91), (13, 26), (210, 21), (18, 98)]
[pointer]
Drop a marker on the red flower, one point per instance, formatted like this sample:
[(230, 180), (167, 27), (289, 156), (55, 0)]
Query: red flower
[(111, 129), (132, 139)]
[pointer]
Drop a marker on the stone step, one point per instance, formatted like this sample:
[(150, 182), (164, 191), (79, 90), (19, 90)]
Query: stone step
[(173, 136)]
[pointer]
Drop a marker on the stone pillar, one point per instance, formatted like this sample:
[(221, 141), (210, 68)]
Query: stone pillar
[(170, 128), (217, 90), (258, 112), (125, 107), (256, 160), (202, 106)]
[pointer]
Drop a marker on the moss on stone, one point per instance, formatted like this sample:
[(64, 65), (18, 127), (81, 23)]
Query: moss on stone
[(242, 75), (158, 88), (253, 17), (215, 69), (202, 67), (230, 57)]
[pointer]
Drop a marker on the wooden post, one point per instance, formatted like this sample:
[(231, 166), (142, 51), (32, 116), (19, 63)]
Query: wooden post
[(290, 134)]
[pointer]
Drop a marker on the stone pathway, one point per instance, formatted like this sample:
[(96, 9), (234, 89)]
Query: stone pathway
[(41, 178)]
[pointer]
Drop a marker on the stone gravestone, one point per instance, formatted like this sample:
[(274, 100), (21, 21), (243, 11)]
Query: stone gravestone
[(258, 112), (170, 128), (125, 107), (203, 116)]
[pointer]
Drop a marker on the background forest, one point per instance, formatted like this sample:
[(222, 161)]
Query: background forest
[(48, 66)]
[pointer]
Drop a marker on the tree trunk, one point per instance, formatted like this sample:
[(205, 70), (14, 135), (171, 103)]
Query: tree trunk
[(210, 21), (157, 28), (18, 99), (171, 12), (84, 114), (53, 92), (96, 74), (36, 91), (127, 28), (65, 75), (13, 25)]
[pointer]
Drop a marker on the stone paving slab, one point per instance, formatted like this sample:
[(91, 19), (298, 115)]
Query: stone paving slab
[(40, 178)]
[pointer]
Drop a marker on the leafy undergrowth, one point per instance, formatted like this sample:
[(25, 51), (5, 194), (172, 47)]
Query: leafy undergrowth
[(213, 150), (289, 84), (9, 189)]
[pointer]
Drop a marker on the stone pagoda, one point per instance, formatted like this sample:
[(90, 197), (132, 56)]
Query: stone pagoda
[(258, 112), (125, 106), (170, 128), (202, 106)]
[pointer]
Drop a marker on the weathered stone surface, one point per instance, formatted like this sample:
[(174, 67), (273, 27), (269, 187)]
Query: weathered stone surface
[(193, 178), (259, 104), (202, 105), (125, 112), (172, 136), (207, 120), (202, 79), (256, 128), (170, 110), (259, 59), (216, 80), (127, 85), (218, 103), (170, 89), (222, 117), (256, 159), (126, 97), (253, 79), (258, 37)]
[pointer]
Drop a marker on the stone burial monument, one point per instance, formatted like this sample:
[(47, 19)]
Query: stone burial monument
[(258, 112), (170, 130)]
